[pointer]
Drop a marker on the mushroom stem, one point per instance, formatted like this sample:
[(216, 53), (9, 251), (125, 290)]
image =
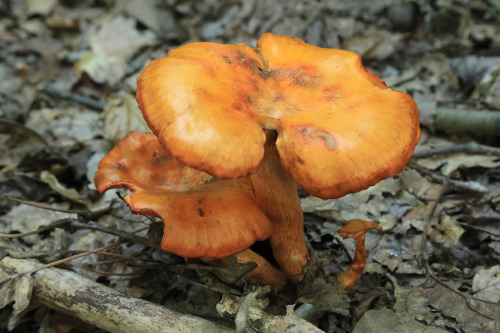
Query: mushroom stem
[(276, 194), (264, 273), (355, 229)]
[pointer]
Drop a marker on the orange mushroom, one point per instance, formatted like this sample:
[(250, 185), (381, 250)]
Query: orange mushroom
[(355, 229), (203, 217), (286, 113)]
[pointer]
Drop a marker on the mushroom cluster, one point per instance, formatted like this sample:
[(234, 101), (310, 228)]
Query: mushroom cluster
[(236, 129)]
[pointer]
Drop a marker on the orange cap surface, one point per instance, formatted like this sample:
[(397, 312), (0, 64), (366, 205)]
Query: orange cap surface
[(203, 217), (340, 129)]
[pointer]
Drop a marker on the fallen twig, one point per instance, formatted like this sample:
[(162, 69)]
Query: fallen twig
[(80, 99), (468, 148), (62, 261), (86, 214), (74, 224), (459, 185), (102, 306), (423, 258)]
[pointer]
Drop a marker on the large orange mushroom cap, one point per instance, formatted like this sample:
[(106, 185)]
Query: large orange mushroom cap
[(340, 129), (203, 217)]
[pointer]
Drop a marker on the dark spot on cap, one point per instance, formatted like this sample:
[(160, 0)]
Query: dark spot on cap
[(264, 74), (119, 166), (301, 161), (227, 59), (201, 212), (161, 159)]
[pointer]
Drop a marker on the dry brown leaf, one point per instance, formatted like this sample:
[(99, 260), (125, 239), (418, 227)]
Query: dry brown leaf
[(471, 316), (488, 89), (15, 290), (376, 45), (385, 320), (122, 115), (111, 47), (447, 232), (486, 284), (451, 162), (64, 128), (24, 218)]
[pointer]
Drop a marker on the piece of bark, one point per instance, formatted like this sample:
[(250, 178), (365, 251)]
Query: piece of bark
[(290, 323), (102, 306), (250, 316)]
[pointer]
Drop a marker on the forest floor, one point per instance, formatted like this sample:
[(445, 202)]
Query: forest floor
[(68, 74)]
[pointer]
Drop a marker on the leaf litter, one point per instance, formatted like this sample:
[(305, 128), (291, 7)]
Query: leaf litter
[(434, 266)]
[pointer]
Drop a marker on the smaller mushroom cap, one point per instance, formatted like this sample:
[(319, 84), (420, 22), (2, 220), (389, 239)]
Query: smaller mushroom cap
[(356, 229), (203, 217)]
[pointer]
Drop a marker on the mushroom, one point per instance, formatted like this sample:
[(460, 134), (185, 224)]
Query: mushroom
[(285, 113), (203, 217), (355, 229)]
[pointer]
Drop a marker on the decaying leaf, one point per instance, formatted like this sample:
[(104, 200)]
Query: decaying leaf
[(387, 321), (15, 290), (111, 47), (16, 142), (449, 163), (24, 218), (64, 127), (446, 232), (469, 315), (375, 45), (96, 49), (488, 88), (122, 115), (486, 284), (369, 204)]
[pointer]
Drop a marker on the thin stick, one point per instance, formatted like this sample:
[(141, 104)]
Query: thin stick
[(423, 244), (120, 233), (469, 148), (72, 223), (467, 186), (42, 206), (62, 261), (80, 99), (26, 234)]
